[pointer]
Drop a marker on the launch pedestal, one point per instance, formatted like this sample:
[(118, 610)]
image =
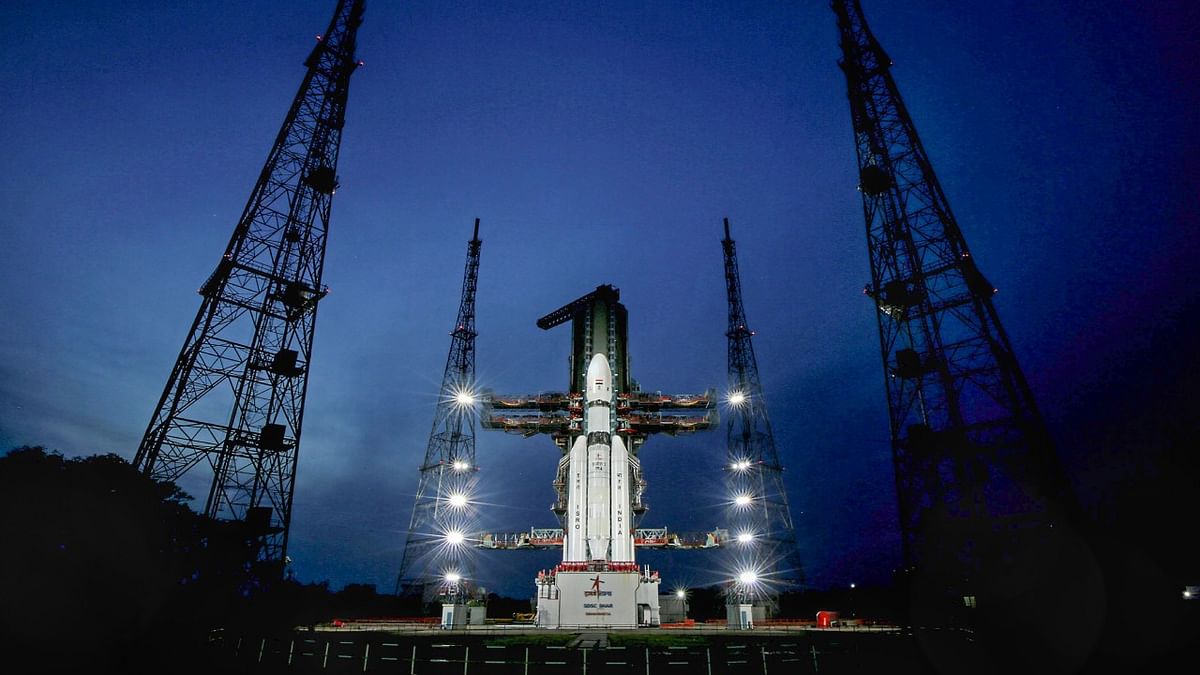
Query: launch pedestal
[(624, 599)]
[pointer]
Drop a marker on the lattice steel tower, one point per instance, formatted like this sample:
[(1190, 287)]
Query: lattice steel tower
[(977, 480), (234, 401), (754, 472), (442, 514)]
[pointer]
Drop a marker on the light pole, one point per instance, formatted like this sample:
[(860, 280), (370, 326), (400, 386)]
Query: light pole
[(452, 605), (741, 610)]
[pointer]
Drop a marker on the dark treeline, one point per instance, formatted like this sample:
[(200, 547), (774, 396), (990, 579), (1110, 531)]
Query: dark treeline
[(104, 569), (102, 562)]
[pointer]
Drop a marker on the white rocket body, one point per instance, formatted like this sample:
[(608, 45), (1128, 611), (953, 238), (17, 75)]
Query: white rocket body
[(575, 547), (598, 518), (621, 524)]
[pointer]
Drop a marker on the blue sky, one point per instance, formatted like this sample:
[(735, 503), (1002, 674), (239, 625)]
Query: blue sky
[(598, 143)]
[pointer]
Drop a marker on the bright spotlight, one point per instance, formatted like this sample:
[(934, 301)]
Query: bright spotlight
[(737, 398), (742, 500), (454, 538), (740, 465), (460, 465), (464, 398), (747, 578), (453, 577), (745, 538), (681, 593), (457, 500)]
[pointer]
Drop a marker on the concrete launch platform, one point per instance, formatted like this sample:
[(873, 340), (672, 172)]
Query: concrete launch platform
[(597, 599)]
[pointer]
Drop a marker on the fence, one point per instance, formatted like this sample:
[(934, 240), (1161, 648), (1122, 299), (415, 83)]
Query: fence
[(422, 625), (357, 653)]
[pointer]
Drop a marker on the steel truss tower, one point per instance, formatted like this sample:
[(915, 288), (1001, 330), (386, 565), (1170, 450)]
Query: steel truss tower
[(977, 481), (754, 473), (448, 470), (234, 401)]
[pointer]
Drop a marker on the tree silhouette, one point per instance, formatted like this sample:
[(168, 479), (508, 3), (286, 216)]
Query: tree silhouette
[(103, 564)]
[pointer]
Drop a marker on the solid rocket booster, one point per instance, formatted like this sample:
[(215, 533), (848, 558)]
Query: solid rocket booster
[(622, 542), (575, 549), (598, 427)]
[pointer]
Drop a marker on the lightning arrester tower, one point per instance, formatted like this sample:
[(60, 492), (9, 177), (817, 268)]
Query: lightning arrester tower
[(448, 471), (234, 402), (755, 474), (977, 481)]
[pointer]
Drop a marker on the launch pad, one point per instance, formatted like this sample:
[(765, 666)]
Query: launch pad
[(599, 426)]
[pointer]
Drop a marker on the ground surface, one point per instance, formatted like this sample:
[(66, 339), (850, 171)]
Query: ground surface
[(523, 649)]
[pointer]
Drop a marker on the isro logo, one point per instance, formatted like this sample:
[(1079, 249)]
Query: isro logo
[(596, 588)]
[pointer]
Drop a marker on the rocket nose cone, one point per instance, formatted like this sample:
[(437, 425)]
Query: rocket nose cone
[(599, 378), (599, 363)]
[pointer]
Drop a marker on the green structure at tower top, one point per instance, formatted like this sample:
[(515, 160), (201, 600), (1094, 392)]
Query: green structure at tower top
[(599, 325)]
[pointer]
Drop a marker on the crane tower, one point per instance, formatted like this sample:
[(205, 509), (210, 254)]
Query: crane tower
[(978, 484), (431, 565), (234, 402)]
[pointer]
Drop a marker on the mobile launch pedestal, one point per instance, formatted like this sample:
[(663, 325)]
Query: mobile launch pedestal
[(599, 427), (585, 599)]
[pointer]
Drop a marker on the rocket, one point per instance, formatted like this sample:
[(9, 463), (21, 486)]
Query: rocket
[(598, 503)]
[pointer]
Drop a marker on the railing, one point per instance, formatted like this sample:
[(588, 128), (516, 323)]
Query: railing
[(545, 537), (471, 651)]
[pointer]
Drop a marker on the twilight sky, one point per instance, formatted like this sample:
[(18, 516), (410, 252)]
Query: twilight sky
[(602, 143)]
